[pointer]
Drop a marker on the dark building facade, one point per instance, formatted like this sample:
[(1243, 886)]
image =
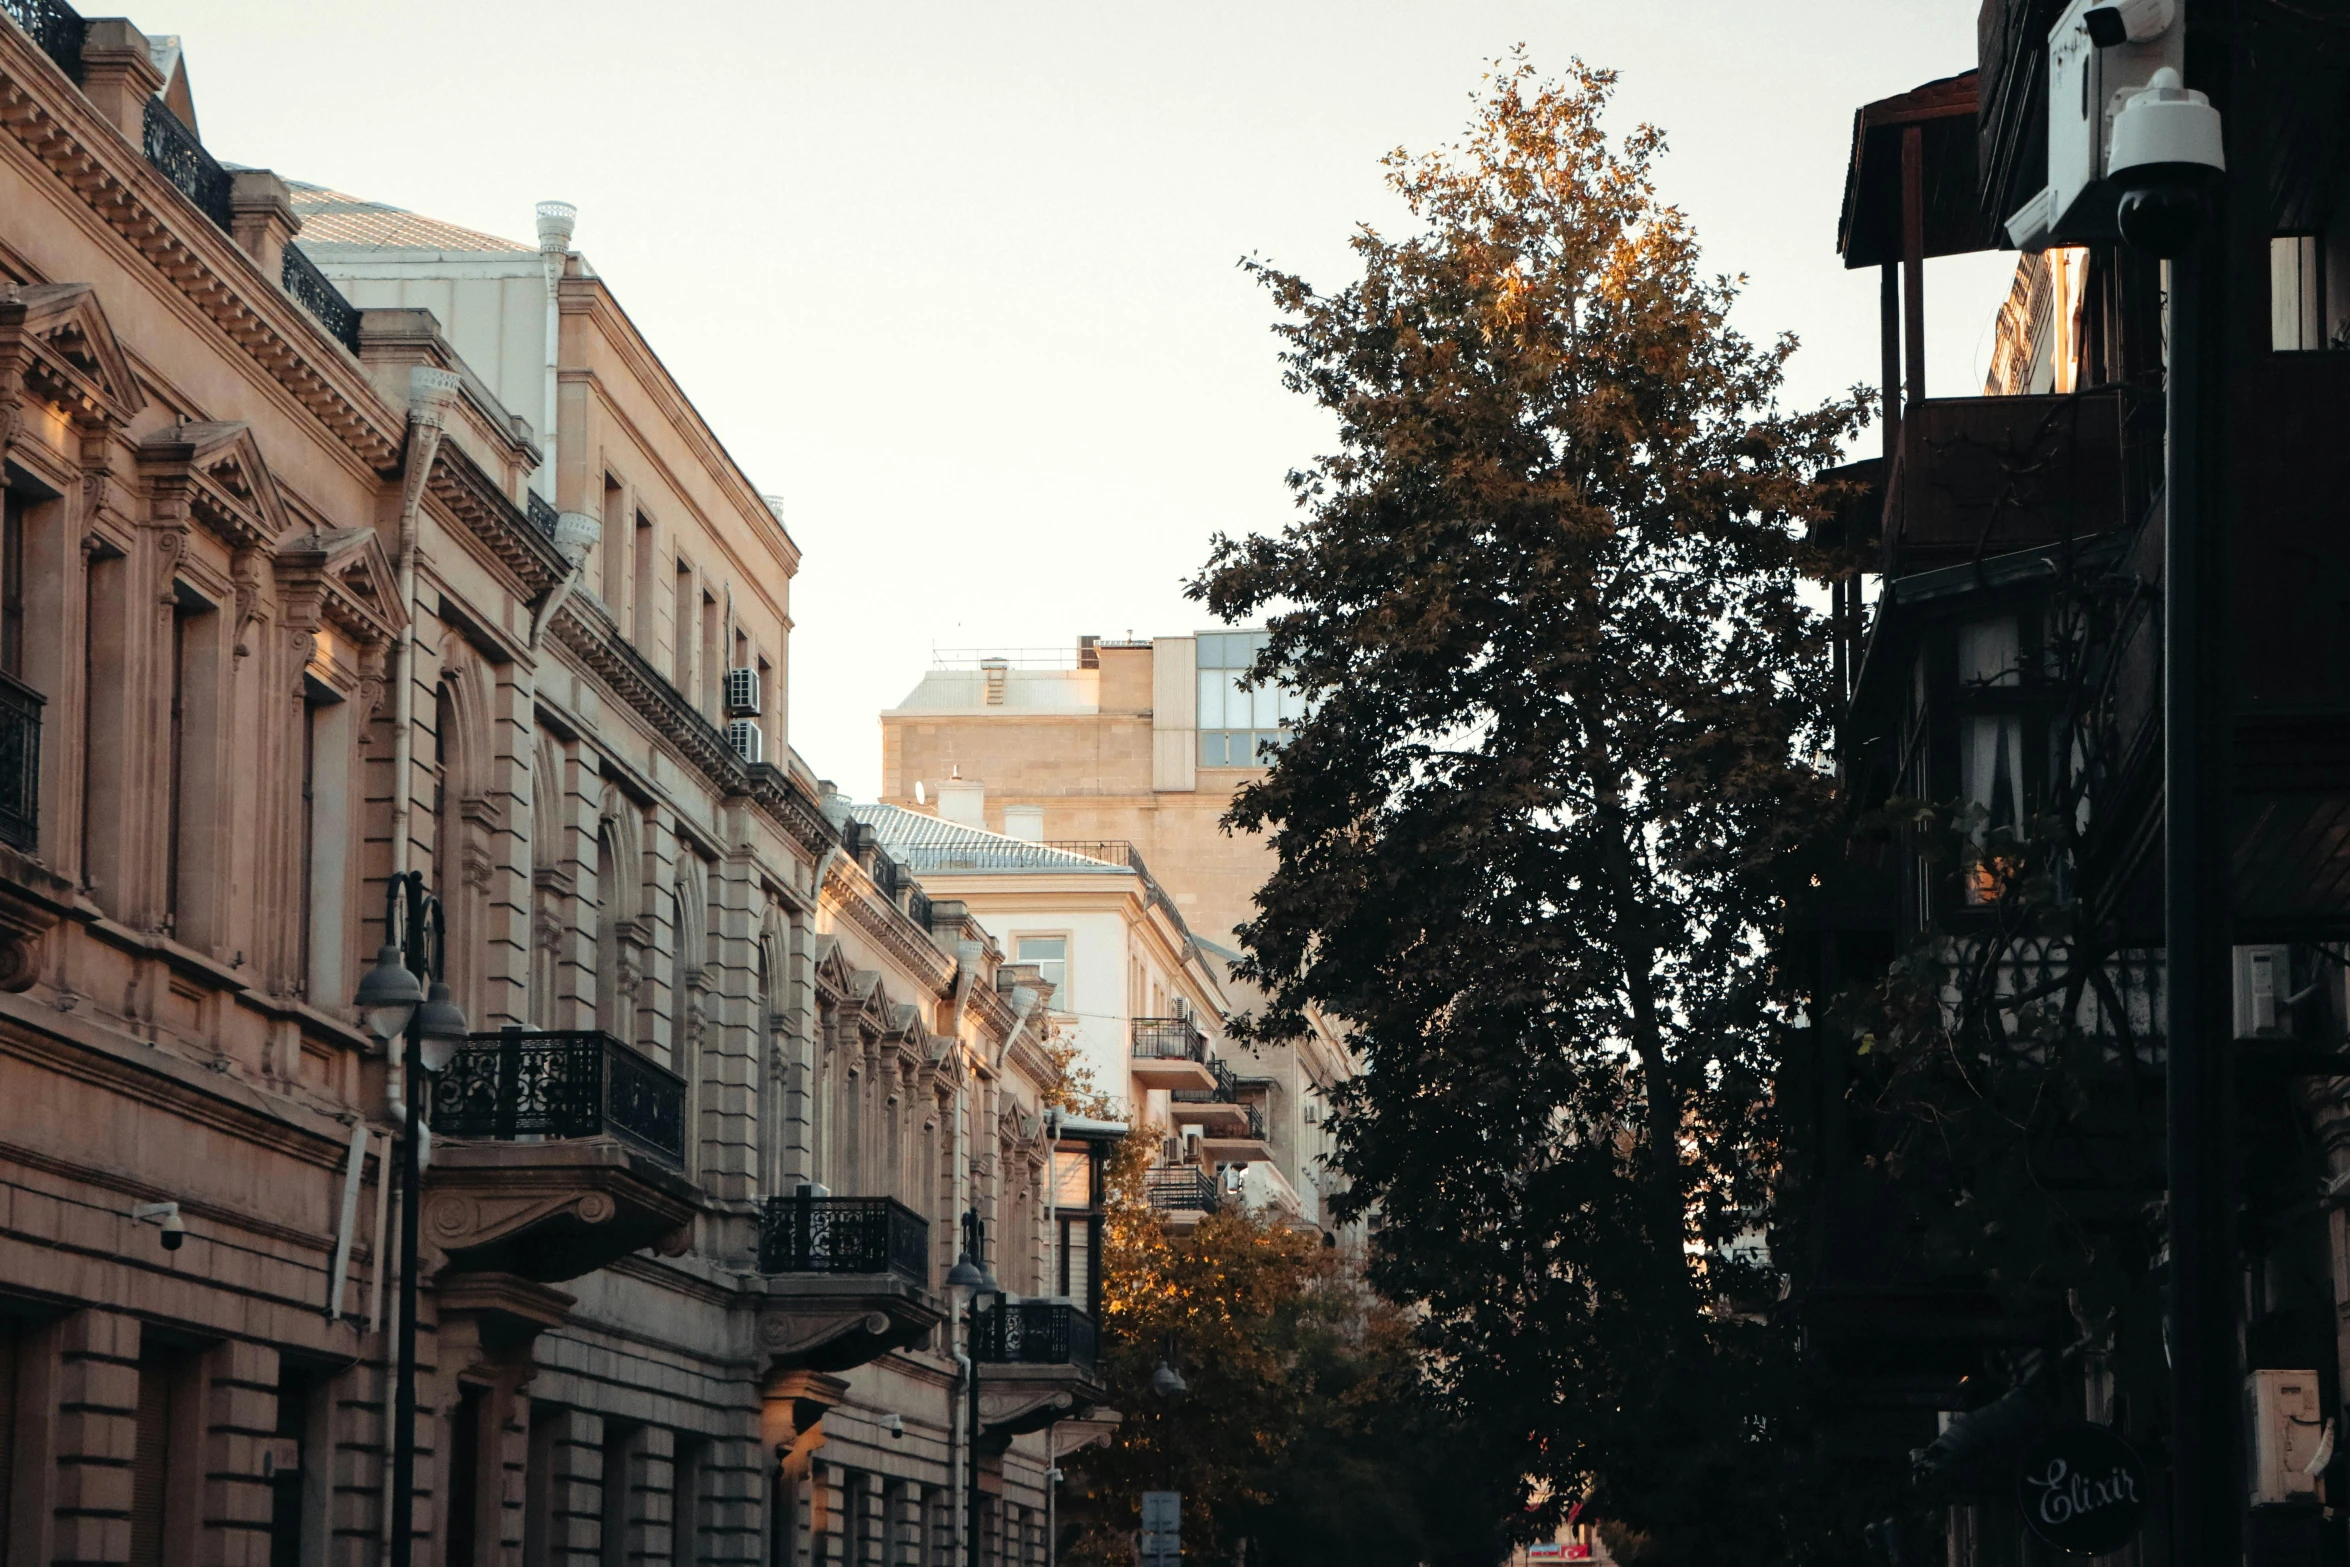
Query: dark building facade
[(1982, 1245)]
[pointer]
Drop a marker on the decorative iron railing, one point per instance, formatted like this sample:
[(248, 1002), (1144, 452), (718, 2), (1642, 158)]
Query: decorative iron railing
[(1184, 1188), (1255, 1130), (181, 159), (1226, 1091), (312, 290), (1168, 1039), (522, 1084), (810, 1234), (20, 763), (1037, 1333), (543, 515), (55, 26)]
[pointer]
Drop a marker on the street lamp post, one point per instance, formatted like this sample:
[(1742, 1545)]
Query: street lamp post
[(2167, 158), (970, 1283), (421, 1029)]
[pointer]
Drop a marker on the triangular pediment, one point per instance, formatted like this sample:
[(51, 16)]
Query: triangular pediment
[(833, 974), (230, 487), (348, 576), (69, 353)]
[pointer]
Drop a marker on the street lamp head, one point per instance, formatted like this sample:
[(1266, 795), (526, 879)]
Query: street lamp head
[(388, 995), (440, 1024), (967, 1279), (2166, 155), (1168, 1383)]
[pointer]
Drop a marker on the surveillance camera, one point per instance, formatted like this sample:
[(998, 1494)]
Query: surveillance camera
[(895, 1425), (166, 1217)]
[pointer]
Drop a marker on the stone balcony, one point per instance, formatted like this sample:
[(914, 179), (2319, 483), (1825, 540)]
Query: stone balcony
[(554, 1155), (846, 1280), (1036, 1367)]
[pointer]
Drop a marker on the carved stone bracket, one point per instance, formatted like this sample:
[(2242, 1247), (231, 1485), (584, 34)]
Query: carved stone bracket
[(550, 1211)]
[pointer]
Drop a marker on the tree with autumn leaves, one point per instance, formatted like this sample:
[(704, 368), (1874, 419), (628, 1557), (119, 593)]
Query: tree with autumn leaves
[(1537, 837), (1305, 1433)]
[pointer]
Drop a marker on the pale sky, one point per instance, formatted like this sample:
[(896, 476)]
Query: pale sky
[(957, 279)]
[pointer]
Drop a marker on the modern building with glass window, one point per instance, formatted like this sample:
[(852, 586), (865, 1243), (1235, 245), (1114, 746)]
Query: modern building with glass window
[(1035, 786)]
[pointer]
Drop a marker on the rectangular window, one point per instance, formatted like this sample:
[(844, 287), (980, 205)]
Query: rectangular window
[(1079, 1238), (640, 615), (1050, 954), (681, 632), (1237, 719), (713, 652), (612, 550), (2296, 293), (1072, 1179), (12, 526)]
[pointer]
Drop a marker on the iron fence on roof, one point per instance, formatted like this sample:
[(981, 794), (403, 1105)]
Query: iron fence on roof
[(312, 290), (181, 159), (55, 26)]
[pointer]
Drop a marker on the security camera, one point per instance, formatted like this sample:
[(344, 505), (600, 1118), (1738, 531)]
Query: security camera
[(2167, 152), (2128, 21), (166, 1216), (895, 1425)]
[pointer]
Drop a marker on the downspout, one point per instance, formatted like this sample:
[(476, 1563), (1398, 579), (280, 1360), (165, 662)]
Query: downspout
[(556, 219), (429, 392), (575, 534)]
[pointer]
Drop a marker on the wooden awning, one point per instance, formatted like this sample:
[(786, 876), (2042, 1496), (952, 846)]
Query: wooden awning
[(1869, 233)]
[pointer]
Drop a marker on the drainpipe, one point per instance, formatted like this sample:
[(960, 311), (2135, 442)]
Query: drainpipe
[(576, 533), (429, 392), (556, 219)]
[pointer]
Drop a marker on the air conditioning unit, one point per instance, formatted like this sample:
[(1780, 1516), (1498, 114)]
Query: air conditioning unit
[(748, 740), (2292, 1441), (742, 691), (2099, 53)]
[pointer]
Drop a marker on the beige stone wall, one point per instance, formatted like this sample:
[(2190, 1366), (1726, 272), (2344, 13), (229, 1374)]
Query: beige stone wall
[(247, 721)]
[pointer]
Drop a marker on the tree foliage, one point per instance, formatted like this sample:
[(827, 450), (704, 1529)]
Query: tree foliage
[(1535, 838), (1304, 1433)]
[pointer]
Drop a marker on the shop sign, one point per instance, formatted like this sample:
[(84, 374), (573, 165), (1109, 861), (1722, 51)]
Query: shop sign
[(2082, 1490)]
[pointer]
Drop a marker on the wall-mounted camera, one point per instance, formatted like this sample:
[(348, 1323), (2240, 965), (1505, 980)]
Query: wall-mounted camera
[(166, 1217)]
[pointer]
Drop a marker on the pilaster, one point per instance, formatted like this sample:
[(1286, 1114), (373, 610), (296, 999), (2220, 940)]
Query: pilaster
[(97, 1436), (240, 1415), (119, 75)]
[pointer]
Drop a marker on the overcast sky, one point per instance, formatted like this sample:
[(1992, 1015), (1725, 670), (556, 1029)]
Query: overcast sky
[(957, 279)]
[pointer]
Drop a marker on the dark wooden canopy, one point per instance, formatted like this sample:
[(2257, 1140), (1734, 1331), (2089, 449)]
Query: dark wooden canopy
[(1869, 233)]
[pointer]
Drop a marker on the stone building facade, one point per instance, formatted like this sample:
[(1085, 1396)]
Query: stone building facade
[(292, 599), (1128, 752)]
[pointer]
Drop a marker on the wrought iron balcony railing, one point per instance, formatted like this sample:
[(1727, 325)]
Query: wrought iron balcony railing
[(20, 763), (55, 26), (1226, 1091), (1037, 1333), (810, 1234), (181, 159), (518, 1085), (1169, 1039), (543, 515), (1256, 1123), (1183, 1188), (311, 290)]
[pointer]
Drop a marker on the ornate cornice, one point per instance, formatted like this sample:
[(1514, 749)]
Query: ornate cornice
[(887, 926), (45, 112), (478, 505)]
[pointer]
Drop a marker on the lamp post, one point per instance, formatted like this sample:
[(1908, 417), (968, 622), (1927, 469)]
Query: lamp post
[(2167, 158), (420, 1027), (970, 1283)]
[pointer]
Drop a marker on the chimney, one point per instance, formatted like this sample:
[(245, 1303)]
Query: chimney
[(963, 801)]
